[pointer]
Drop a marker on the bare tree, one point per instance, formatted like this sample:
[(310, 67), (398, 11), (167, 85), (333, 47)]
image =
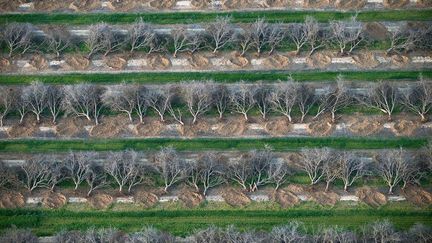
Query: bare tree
[(125, 168), (180, 40), (330, 170), (150, 234), (36, 96), (351, 168), (381, 231), (174, 111), (95, 177), (403, 39), (15, 235), (207, 171), (121, 98), (83, 100), (347, 34), (305, 99), (298, 34), (21, 105), (276, 34), (170, 166), (420, 233), (159, 99), (244, 38), (259, 35), (393, 166), (141, 35), (221, 32), (195, 41), (76, 164), (7, 100), (312, 160), (54, 101), (382, 96), (262, 96), (18, 37), (57, 172), (418, 98), (221, 98), (334, 98), (36, 173), (315, 35), (58, 39), (242, 98), (278, 172), (289, 233), (7, 176), (198, 97), (95, 39), (284, 97), (111, 40)]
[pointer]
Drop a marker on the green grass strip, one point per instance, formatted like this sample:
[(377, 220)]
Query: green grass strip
[(202, 144), (223, 77), (204, 17)]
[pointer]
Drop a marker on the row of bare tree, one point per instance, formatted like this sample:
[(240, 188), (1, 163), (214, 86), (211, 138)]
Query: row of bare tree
[(260, 35), (378, 231), (88, 100), (251, 170)]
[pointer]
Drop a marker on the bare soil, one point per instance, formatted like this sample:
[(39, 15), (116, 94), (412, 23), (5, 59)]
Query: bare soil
[(101, 201), (85, 5), (424, 3), (403, 127), (158, 61), (296, 188), (110, 126), (399, 60), (9, 5), (237, 61), (26, 129), (77, 62), (395, 3), (150, 128), (198, 61), (232, 127), (275, 3), (6, 65), (371, 196), (38, 63), (11, 199), (237, 4), (325, 198), (277, 61), (199, 128), (316, 3), (116, 62), (162, 4), (278, 127), (235, 197), (53, 200), (125, 5), (72, 126), (321, 127), (285, 198), (319, 59), (365, 125), (375, 31), (50, 5), (418, 196), (200, 4), (366, 60), (190, 198), (350, 4), (147, 199)]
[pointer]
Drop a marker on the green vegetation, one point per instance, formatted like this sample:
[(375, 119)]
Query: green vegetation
[(202, 144), (181, 221), (202, 17), (223, 77)]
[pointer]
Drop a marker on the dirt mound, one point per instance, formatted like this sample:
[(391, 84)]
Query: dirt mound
[(5, 65), (295, 188), (232, 127), (375, 31), (405, 127), (125, 5), (200, 4), (117, 63), (50, 5), (236, 4), (322, 127), (325, 198), (110, 126), (9, 5), (78, 62), (101, 201), (199, 128), (147, 199), (364, 126), (286, 199), (238, 61), (274, 3), (418, 196), (371, 197), (162, 4), (190, 198), (319, 60), (395, 3), (424, 3), (198, 61), (84, 5), (366, 60), (235, 197), (278, 127), (152, 128), (11, 199), (53, 200), (316, 3), (277, 61), (71, 126), (350, 4), (26, 129), (38, 63), (399, 60), (158, 62)]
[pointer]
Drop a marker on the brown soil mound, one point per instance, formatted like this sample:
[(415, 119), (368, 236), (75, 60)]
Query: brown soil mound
[(117, 63), (322, 127), (405, 127), (316, 3), (152, 128), (350, 4), (9, 5), (200, 4), (78, 62), (53, 200), (424, 3), (159, 62), (399, 60), (198, 128), (286, 199), (71, 126), (364, 126), (84, 5), (110, 126), (274, 3), (162, 4), (38, 62), (147, 199), (278, 127), (375, 31), (49, 5), (232, 127), (125, 5), (371, 197), (295, 188), (235, 197), (277, 61), (236, 4), (325, 198), (11, 199), (198, 61), (319, 60), (418, 196), (25, 129), (5, 65), (190, 198), (366, 60), (238, 61), (101, 201), (395, 3)]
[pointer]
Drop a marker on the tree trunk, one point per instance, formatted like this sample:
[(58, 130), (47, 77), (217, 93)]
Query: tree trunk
[(327, 186), (194, 119), (220, 115), (423, 118), (130, 116), (345, 187), (390, 190), (245, 116), (37, 117), (389, 117)]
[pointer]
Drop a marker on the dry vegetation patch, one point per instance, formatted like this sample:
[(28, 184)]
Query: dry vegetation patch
[(147, 199), (418, 196), (158, 61), (198, 61), (424, 3), (365, 125), (277, 61), (101, 201), (11, 199), (399, 60), (316, 3), (395, 3), (375, 31), (10, 5), (38, 63), (237, 4), (231, 127), (235, 197), (53, 200), (322, 127), (238, 61), (371, 196), (403, 127), (278, 127), (199, 128), (325, 198), (162, 4), (150, 128), (50, 5), (285, 198), (350, 4), (366, 60), (275, 3), (6, 65), (110, 126), (72, 126), (116, 62), (25, 129), (190, 198), (77, 62), (319, 60), (85, 5), (200, 4)]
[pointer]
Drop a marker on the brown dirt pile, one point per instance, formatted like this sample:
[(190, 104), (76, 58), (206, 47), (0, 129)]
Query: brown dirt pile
[(11, 199), (321, 127), (38, 62), (9, 5), (364, 126), (199, 128), (200, 4), (375, 31), (399, 60), (53, 200), (147, 199), (151, 128), (295, 188), (278, 127), (424, 3), (5, 65), (286, 199), (319, 60), (366, 60), (110, 126), (404, 127), (418, 196), (235, 197), (190, 198), (198, 61), (84, 5), (350, 4), (26, 129), (232, 127), (162, 4), (117, 63), (158, 61), (78, 62), (238, 61), (277, 61), (274, 3), (101, 201), (50, 5), (71, 126), (395, 3), (316, 3), (236, 4), (325, 198), (371, 197), (125, 5)]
